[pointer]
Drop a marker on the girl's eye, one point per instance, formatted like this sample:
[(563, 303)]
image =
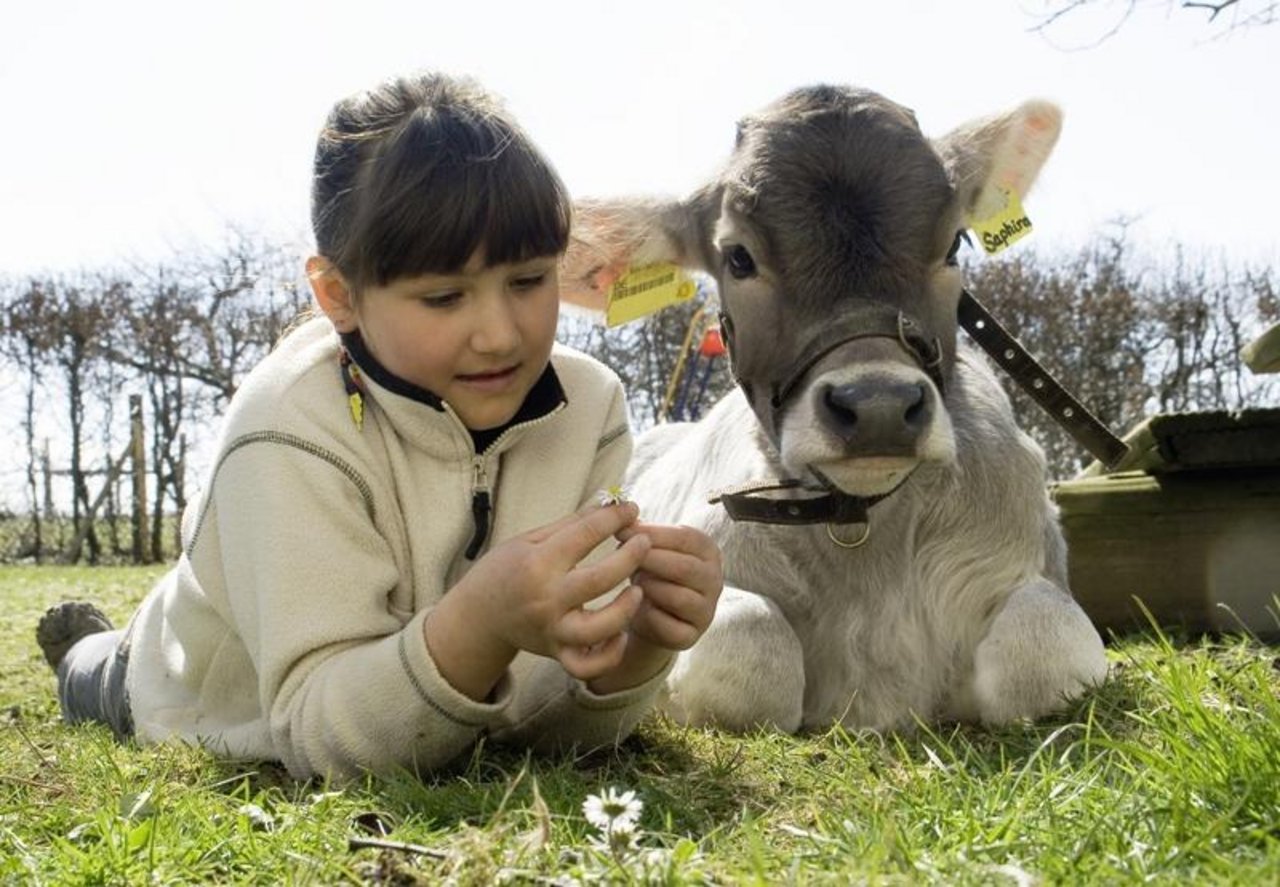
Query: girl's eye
[(441, 300), (739, 262), (953, 254), (529, 281)]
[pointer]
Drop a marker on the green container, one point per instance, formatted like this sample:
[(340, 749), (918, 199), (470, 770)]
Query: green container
[(1187, 526)]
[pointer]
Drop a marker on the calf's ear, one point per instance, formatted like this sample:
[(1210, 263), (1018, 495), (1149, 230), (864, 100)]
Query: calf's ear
[(611, 235), (1005, 152)]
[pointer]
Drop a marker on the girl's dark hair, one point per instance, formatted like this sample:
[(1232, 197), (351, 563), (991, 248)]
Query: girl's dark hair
[(414, 176)]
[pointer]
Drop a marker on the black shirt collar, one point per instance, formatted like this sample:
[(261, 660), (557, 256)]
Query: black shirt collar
[(354, 343), (544, 397)]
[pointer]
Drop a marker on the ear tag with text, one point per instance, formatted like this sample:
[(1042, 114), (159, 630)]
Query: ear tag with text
[(642, 291), (1004, 227)]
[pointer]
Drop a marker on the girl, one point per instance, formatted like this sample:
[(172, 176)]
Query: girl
[(395, 549)]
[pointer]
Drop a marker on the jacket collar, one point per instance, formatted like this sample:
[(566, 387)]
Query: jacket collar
[(545, 397)]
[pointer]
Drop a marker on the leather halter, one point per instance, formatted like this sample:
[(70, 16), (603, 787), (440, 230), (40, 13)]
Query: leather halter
[(744, 503), (864, 319), (868, 319)]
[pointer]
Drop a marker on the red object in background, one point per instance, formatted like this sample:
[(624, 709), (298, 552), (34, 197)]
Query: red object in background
[(712, 345)]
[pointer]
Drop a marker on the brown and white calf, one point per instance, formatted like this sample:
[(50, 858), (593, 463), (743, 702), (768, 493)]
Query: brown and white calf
[(832, 235)]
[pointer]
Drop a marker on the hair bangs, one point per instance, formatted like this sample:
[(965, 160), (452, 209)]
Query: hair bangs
[(449, 186)]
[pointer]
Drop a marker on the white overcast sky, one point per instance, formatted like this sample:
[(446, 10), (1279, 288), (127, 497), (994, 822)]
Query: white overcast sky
[(133, 128)]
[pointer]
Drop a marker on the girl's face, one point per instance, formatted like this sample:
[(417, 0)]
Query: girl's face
[(479, 338)]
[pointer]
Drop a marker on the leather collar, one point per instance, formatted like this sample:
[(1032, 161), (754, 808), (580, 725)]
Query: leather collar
[(830, 506)]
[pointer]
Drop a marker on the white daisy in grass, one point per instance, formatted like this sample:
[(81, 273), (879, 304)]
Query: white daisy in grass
[(614, 495), (621, 838), (612, 810)]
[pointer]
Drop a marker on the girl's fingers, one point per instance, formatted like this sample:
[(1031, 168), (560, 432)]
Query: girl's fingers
[(587, 663), (679, 568), (576, 538), (660, 627), (583, 628), (589, 520), (678, 601), (675, 538), (587, 582)]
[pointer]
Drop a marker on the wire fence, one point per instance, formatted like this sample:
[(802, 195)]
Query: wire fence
[(109, 540)]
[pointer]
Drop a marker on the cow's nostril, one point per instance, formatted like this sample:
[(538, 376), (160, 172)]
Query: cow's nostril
[(916, 412), (842, 401)]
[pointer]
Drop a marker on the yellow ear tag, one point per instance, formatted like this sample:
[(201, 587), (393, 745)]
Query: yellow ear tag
[(642, 291), (356, 402), (1006, 226)]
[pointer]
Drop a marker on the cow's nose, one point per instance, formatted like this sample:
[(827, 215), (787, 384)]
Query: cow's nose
[(877, 417)]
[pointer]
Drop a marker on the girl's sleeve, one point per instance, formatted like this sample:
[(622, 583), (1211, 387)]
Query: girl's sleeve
[(553, 710), (345, 682)]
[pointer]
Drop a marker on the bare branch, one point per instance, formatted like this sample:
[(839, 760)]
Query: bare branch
[(1245, 14), (1070, 6), (1213, 8)]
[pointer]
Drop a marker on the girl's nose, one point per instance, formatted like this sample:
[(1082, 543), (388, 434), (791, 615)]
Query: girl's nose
[(497, 329)]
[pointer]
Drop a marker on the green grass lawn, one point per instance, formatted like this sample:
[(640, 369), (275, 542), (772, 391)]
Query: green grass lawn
[(1169, 774)]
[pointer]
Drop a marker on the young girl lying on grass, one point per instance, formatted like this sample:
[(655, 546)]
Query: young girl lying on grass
[(396, 545)]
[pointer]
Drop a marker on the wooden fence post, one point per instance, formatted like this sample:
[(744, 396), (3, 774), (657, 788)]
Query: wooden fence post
[(47, 467), (138, 452), (71, 553), (180, 488)]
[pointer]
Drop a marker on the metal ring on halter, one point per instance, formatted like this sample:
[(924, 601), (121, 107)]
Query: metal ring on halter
[(856, 543), (928, 361), (903, 323)]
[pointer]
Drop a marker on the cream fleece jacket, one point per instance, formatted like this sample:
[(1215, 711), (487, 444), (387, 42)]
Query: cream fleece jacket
[(291, 626)]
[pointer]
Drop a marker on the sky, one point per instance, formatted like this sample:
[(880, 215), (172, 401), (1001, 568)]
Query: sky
[(135, 129)]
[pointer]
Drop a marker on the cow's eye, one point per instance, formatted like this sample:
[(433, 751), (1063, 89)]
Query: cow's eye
[(739, 262), (953, 254)]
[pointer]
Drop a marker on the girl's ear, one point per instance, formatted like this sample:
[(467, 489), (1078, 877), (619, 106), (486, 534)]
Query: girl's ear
[(332, 294)]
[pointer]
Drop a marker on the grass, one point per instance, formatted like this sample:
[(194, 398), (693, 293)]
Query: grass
[(1168, 774)]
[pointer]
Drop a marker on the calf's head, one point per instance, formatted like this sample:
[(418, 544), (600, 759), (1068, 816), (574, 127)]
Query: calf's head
[(832, 234)]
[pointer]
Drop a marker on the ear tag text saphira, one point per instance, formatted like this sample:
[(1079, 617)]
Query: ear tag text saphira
[(641, 291), (1004, 224)]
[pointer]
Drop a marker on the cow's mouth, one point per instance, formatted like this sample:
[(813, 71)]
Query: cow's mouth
[(866, 476)]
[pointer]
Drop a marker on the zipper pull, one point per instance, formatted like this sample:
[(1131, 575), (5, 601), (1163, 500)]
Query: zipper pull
[(480, 507)]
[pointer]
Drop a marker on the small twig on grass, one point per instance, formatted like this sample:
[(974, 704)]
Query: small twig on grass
[(31, 744), (31, 783), (354, 842)]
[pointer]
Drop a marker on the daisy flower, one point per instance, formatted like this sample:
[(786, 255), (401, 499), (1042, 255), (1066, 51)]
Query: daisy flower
[(612, 810), (614, 495), (620, 838)]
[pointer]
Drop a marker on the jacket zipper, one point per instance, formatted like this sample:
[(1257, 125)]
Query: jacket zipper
[(480, 507), (481, 501)]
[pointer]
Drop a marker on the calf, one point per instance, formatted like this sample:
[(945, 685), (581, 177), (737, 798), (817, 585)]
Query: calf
[(895, 555)]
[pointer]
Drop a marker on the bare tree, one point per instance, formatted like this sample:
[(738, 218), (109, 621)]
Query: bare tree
[(1108, 17), (197, 326), (24, 342), (81, 308)]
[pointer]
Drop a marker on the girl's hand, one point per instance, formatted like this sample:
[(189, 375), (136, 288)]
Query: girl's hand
[(528, 594), (681, 575)]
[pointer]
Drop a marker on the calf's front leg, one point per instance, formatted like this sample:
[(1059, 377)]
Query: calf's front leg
[(1040, 653)]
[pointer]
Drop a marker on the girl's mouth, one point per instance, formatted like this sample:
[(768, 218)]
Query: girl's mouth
[(492, 379)]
